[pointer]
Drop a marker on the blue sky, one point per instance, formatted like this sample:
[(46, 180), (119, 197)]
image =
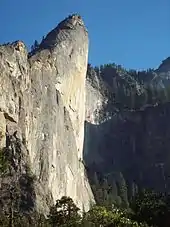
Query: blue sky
[(133, 33)]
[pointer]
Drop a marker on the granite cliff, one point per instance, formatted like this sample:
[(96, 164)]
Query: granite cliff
[(127, 130), (42, 113), (59, 117)]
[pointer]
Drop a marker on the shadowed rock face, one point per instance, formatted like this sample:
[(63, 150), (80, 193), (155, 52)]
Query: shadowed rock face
[(42, 101), (127, 145)]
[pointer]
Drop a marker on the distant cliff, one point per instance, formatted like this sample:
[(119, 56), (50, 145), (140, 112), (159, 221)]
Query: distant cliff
[(127, 129)]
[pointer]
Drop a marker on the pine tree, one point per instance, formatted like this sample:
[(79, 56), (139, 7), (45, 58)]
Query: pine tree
[(64, 213), (35, 45)]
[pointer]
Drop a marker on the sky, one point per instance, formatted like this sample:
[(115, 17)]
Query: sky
[(132, 33)]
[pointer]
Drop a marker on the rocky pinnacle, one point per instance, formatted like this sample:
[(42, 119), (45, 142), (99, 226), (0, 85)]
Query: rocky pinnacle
[(43, 98)]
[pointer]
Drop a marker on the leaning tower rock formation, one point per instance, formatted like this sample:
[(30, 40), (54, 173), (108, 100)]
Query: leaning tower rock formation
[(42, 105)]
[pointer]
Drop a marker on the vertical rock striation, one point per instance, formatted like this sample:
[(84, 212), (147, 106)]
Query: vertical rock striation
[(42, 102)]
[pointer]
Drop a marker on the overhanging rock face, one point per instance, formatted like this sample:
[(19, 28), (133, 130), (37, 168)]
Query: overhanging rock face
[(42, 103)]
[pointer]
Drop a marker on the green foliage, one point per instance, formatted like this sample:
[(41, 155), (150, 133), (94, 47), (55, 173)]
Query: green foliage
[(3, 162), (109, 190), (35, 46), (103, 192), (64, 213), (132, 89), (100, 216), (146, 207), (122, 190), (20, 220), (152, 207)]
